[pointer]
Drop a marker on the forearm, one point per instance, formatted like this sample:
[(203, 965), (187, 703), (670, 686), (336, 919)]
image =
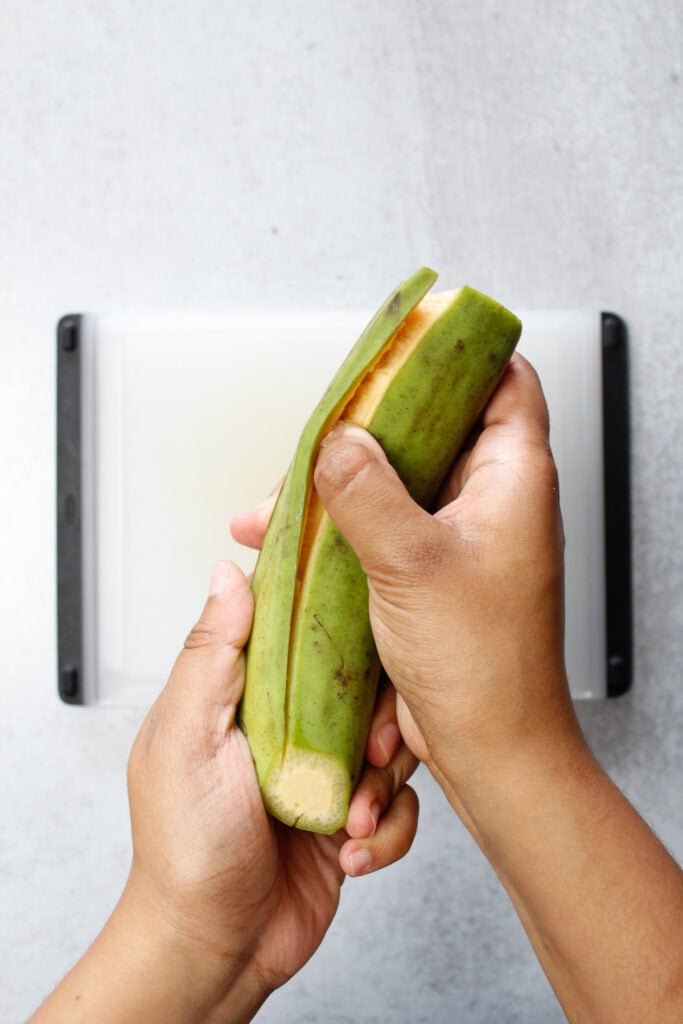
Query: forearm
[(137, 969), (599, 896)]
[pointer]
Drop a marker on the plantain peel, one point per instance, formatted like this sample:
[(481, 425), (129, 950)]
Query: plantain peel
[(418, 378)]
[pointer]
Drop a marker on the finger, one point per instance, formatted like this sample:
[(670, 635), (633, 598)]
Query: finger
[(391, 841), (455, 480), (359, 489), (518, 401), (209, 671), (249, 528), (410, 732), (384, 737), (375, 793), (514, 422), (516, 419)]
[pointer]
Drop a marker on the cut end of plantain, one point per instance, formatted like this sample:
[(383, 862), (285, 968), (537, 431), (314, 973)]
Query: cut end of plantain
[(309, 790)]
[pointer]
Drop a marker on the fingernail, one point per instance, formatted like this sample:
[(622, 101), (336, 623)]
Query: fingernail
[(360, 860), (350, 430), (339, 428), (388, 739), (218, 579), (338, 465)]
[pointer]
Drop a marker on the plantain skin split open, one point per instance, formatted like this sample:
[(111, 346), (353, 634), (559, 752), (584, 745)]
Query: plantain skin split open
[(418, 379)]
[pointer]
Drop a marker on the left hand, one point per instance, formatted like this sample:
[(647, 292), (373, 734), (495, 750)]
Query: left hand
[(223, 903), (251, 894)]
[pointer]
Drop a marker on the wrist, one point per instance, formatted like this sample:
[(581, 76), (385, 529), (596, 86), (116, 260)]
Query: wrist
[(142, 968), (191, 982), (492, 781), (597, 894), (514, 804)]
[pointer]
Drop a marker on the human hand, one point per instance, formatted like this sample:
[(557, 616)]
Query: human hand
[(467, 610), (223, 903), (248, 896), (466, 605)]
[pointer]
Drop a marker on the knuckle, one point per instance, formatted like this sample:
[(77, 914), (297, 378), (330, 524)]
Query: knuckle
[(202, 634), (538, 466), (546, 475), (414, 554), (340, 465), (389, 782), (213, 640), (548, 468), (422, 554), (398, 771), (405, 813)]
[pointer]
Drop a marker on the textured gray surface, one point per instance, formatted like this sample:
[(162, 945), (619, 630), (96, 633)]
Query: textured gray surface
[(263, 155)]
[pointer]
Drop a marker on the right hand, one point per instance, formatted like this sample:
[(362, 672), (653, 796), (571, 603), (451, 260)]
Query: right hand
[(467, 611), (466, 605)]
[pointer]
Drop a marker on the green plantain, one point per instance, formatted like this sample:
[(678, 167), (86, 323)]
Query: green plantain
[(418, 378)]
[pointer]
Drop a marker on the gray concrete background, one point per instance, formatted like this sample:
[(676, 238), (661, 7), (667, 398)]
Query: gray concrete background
[(264, 155)]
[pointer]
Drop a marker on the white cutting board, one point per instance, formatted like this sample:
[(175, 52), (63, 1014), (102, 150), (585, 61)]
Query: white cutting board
[(188, 420)]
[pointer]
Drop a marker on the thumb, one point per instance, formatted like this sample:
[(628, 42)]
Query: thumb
[(369, 504), (209, 670)]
